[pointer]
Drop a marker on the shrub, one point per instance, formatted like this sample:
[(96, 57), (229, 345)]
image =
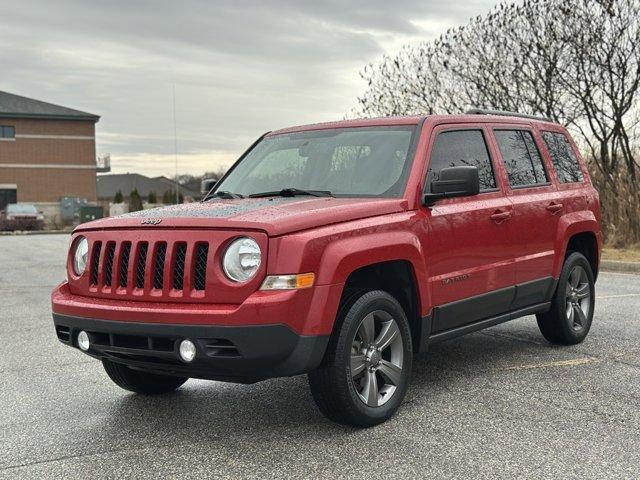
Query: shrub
[(135, 201)]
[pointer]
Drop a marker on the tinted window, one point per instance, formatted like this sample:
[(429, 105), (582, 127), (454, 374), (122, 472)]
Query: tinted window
[(7, 132), (459, 148), (521, 157), (563, 157)]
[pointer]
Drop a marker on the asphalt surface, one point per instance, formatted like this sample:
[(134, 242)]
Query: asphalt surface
[(496, 404)]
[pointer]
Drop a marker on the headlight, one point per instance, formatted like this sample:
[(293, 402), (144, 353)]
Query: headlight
[(242, 259), (80, 255)]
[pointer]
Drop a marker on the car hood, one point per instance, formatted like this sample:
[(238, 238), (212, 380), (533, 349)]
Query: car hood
[(274, 215)]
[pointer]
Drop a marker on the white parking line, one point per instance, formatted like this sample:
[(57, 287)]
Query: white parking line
[(560, 363), (623, 295), (627, 274)]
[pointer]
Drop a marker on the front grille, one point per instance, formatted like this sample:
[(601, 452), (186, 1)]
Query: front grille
[(134, 342), (141, 264), (95, 263), (64, 333), (140, 348), (154, 268), (200, 266), (158, 268), (147, 348), (108, 263), (124, 263), (178, 267), (221, 347)]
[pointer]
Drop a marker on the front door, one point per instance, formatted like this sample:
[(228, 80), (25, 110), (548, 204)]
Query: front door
[(469, 247)]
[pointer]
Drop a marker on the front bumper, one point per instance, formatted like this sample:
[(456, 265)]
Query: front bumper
[(243, 354), (307, 311)]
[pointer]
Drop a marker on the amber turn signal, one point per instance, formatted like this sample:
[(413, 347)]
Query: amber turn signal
[(288, 282)]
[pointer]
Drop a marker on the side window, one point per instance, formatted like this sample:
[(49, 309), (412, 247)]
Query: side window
[(458, 148), (521, 157), (563, 157)]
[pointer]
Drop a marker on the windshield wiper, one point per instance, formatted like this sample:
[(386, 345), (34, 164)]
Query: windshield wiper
[(224, 194), (292, 192)]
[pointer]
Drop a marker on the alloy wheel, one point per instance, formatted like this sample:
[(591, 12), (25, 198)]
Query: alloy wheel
[(377, 356), (578, 298)]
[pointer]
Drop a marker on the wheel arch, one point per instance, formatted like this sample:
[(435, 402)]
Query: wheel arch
[(397, 278), (579, 232), (586, 244)]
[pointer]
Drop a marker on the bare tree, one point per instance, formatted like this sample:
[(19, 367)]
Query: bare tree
[(574, 61)]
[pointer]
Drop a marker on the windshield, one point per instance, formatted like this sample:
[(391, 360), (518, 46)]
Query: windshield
[(21, 208), (359, 162)]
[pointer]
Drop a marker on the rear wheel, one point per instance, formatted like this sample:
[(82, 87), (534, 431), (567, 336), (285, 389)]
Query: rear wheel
[(569, 319), (366, 371), (139, 381)]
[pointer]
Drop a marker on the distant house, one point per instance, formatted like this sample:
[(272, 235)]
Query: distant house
[(46, 152), (108, 186)]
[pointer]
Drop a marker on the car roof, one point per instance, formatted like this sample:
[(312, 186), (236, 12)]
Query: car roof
[(412, 120), (489, 118), (354, 123)]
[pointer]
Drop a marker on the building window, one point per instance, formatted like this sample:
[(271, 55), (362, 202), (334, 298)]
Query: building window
[(7, 132)]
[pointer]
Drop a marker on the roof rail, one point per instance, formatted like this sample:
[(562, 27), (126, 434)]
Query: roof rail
[(502, 113)]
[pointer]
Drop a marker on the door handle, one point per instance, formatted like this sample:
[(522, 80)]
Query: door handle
[(499, 216), (554, 207)]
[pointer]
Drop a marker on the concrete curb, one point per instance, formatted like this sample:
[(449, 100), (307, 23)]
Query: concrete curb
[(35, 232), (619, 266)]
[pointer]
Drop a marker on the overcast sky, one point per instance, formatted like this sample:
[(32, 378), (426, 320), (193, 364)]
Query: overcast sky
[(240, 68)]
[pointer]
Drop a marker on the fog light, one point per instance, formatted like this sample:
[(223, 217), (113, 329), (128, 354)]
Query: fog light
[(83, 341), (187, 350)]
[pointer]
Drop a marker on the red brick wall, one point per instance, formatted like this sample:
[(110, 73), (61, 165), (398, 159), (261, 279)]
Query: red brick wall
[(50, 184)]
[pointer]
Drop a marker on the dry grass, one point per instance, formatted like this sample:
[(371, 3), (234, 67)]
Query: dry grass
[(621, 254), (620, 210)]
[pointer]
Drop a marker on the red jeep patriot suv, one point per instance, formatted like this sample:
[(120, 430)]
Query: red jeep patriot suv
[(340, 250)]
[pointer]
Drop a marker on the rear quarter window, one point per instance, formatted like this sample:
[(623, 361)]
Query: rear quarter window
[(563, 157)]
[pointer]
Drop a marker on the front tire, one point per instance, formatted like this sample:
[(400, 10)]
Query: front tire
[(141, 382), (366, 370), (569, 319)]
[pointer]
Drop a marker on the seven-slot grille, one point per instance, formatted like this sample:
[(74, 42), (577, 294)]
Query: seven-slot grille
[(148, 266)]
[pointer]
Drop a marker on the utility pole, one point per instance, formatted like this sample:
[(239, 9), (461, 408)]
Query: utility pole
[(175, 143)]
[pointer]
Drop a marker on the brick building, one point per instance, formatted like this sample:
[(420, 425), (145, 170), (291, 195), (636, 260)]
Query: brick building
[(46, 152)]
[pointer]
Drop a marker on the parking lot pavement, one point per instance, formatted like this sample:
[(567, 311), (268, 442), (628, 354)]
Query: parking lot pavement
[(501, 403)]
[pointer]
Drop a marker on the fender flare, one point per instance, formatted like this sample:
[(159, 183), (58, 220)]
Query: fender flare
[(570, 225), (344, 256)]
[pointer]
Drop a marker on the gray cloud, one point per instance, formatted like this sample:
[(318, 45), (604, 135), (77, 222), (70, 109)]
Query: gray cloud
[(239, 67)]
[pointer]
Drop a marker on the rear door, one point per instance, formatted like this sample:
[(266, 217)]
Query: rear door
[(571, 177), (468, 239), (537, 208)]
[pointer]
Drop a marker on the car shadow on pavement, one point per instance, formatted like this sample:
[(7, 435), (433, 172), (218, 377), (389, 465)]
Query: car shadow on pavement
[(214, 409)]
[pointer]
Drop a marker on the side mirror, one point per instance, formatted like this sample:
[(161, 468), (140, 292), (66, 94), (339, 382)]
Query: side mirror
[(454, 182)]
